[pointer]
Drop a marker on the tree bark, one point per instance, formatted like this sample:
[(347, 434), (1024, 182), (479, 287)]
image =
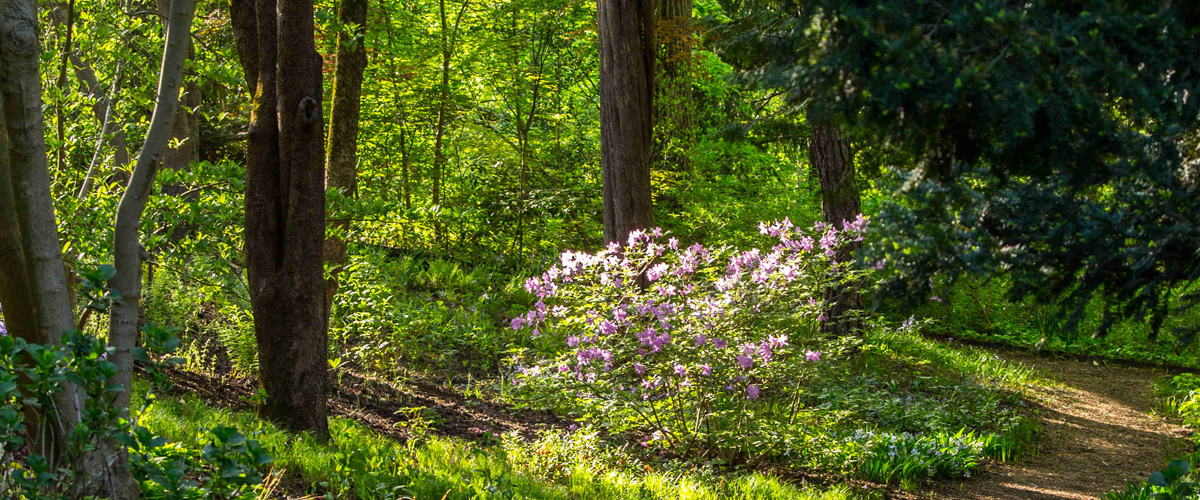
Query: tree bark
[(285, 209), (627, 55), (833, 161), (30, 213), (341, 166), (61, 82), (184, 133), (106, 123), (673, 130), (87, 76), (123, 315)]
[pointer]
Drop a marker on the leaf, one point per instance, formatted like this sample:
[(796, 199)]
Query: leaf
[(1158, 479)]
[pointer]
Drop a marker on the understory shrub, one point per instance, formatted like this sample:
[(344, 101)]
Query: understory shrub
[(228, 466), (701, 349)]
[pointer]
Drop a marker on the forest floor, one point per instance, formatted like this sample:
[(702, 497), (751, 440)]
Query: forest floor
[(1098, 427), (1098, 434)]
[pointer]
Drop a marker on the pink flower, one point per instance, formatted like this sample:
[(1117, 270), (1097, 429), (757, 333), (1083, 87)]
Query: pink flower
[(517, 323), (673, 243), (680, 370), (745, 361), (706, 370), (812, 355), (637, 367)]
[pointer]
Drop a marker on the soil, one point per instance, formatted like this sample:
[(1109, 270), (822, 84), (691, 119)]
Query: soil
[(385, 407), (1098, 434)]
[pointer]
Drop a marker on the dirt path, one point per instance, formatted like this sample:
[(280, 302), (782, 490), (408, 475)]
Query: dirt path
[(1098, 434)]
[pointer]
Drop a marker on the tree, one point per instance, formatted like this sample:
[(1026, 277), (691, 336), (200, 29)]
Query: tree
[(341, 169), (184, 145), (127, 251), (1046, 137), (833, 160), (35, 294), (449, 40), (285, 208), (627, 58), (673, 127)]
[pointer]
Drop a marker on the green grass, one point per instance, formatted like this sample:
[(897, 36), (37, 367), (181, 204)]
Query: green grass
[(363, 464)]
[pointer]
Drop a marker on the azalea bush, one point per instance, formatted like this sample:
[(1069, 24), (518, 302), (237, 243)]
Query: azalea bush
[(699, 349)]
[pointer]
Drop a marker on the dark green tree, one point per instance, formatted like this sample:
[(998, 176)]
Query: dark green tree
[(1049, 139)]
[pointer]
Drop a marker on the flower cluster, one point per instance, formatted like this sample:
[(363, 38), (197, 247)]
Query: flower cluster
[(652, 330)]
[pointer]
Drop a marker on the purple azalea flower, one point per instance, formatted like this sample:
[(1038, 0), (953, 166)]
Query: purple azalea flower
[(680, 370), (746, 362), (812, 355), (752, 391), (705, 370)]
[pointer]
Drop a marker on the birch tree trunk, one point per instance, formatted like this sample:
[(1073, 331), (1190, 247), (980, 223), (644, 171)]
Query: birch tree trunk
[(627, 55)]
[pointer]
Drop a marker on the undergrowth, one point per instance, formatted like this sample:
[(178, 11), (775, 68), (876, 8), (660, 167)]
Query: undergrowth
[(360, 463)]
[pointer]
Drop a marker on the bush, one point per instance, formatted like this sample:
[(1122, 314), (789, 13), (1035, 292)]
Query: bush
[(228, 467), (702, 349)]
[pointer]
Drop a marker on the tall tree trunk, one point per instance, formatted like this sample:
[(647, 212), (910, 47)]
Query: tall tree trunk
[(627, 54), (41, 299), (61, 83), (341, 166), (673, 114), (285, 209), (87, 76), (833, 161), (123, 316), (183, 147), (106, 124)]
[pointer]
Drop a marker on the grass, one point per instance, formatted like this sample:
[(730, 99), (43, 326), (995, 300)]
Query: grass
[(360, 463)]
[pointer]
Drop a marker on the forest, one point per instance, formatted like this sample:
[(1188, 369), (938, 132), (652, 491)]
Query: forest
[(599, 249)]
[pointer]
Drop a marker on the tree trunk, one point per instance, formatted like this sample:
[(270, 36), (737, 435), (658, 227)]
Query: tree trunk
[(626, 119), (341, 166), (673, 114), (833, 161), (123, 316), (183, 146), (106, 123), (285, 209), (87, 76), (29, 215), (449, 40), (61, 82)]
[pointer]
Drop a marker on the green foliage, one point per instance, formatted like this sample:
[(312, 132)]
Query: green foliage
[(1175, 482), (1048, 140), (363, 464), (227, 468)]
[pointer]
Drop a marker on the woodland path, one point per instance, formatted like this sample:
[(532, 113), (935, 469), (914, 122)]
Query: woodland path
[(1098, 434)]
